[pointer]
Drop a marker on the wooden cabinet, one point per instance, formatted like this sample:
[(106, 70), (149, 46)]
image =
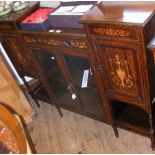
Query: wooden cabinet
[(102, 70)]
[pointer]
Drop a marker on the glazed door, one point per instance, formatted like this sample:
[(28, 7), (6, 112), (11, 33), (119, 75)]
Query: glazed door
[(70, 78), (55, 74), (121, 70), (82, 76)]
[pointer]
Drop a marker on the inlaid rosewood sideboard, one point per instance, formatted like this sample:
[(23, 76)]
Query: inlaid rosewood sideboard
[(103, 70)]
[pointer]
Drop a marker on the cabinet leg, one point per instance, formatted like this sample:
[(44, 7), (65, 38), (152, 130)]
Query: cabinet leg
[(152, 145), (115, 131), (30, 92), (56, 105), (152, 136), (59, 110)]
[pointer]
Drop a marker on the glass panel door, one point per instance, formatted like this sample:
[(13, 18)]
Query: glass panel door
[(52, 72), (83, 80)]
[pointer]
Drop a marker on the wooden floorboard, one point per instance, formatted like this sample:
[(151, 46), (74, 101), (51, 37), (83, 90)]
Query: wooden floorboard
[(74, 133)]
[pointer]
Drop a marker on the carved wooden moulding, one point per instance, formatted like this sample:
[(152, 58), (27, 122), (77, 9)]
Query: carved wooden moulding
[(55, 42)]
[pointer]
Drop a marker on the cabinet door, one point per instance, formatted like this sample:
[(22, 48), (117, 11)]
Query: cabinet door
[(82, 77), (22, 61), (121, 70), (51, 69)]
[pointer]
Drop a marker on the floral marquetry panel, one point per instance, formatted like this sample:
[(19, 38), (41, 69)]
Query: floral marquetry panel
[(120, 69), (17, 52), (19, 56)]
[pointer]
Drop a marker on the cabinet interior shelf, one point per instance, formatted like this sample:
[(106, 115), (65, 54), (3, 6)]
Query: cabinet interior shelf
[(130, 116)]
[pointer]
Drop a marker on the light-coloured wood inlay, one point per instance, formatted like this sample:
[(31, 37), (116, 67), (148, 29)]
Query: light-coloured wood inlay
[(55, 42), (120, 74), (112, 32)]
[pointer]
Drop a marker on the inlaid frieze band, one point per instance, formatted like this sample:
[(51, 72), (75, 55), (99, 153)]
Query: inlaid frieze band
[(55, 42), (113, 32)]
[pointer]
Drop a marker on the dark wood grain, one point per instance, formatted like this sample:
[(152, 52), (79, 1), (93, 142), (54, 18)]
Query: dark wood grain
[(114, 41)]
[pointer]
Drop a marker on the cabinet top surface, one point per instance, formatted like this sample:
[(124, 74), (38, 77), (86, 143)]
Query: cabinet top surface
[(132, 13)]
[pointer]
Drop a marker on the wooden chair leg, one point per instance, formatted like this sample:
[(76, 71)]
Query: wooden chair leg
[(59, 111), (30, 92), (35, 100), (152, 135)]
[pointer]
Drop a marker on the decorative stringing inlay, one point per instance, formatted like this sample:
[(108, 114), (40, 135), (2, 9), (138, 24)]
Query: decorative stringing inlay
[(55, 42), (78, 44), (8, 139), (112, 32), (120, 73)]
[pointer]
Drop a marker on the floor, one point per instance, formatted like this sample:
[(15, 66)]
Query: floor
[(74, 133)]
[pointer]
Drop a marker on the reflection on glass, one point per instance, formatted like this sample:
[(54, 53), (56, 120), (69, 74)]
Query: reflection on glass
[(82, 86), (82, 78)]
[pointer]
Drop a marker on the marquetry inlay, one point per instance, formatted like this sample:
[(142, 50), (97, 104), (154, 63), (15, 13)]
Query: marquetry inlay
[(78, 44), (17, 52), (43, 41), (113, 32), (120, 73), (55, 42)]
